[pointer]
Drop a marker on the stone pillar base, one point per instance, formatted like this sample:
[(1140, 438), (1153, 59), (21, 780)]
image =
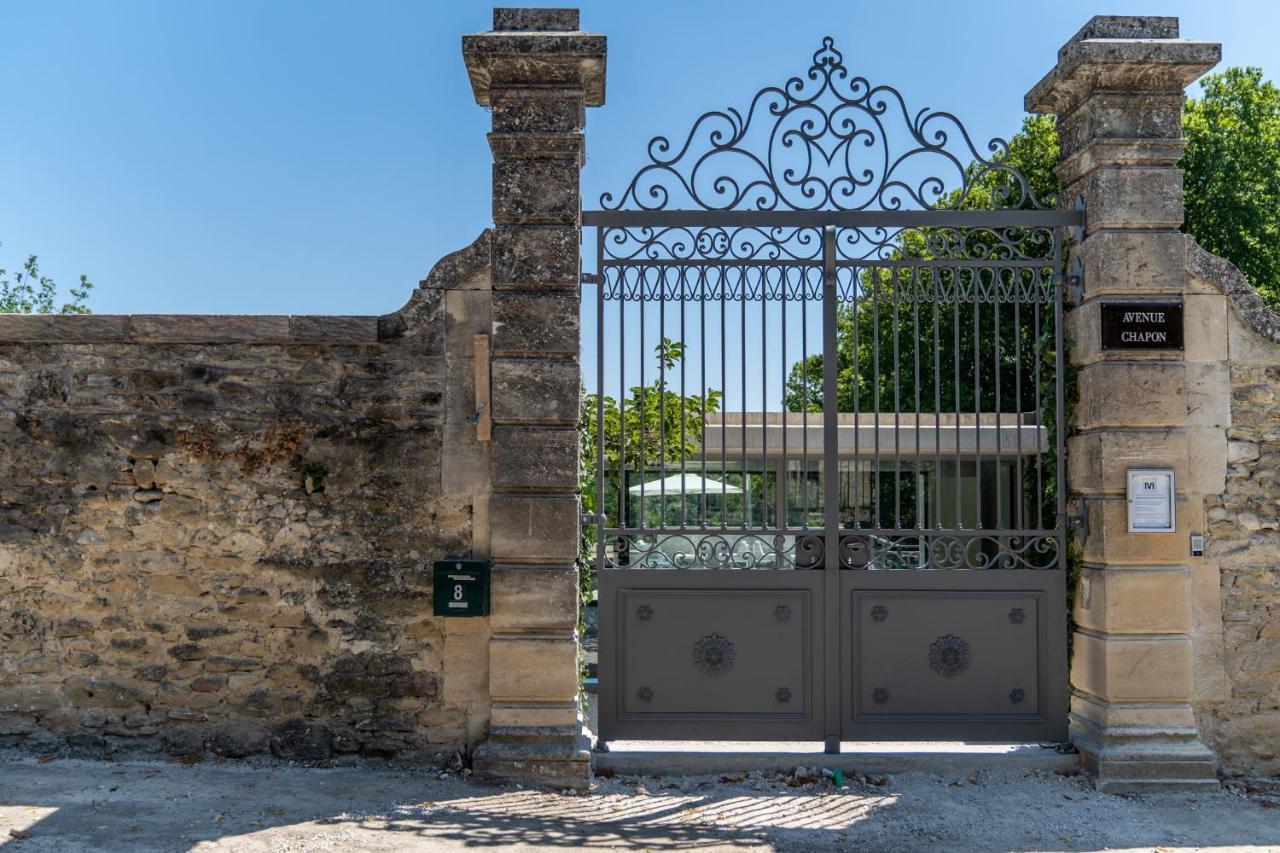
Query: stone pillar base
[(1144, 761), (555, 758)]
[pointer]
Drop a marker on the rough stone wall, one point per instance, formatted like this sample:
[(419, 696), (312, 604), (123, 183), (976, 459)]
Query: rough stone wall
[(1239, 695), (217, 533)]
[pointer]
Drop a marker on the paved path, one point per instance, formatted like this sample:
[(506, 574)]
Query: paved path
[(69, 805)]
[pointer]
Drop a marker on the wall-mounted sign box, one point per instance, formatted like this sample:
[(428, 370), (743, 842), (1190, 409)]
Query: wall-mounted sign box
[(461, 587), (1141, 325), (1151, 500)]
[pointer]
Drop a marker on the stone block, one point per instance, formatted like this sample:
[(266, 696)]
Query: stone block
[(208, 328), (543, 715), (60, 328), (536, 111), (535, 192), (1136, 716), (534, 390), (1205, 327), (1133, 263), (1109, 539), (533, 669), (535, 323), (333, 329), (1132, 197), (1131, 394), (539, 600), (1122, 116), (528, 257), (540, 459), (1097, 462), (466, 665), (1246, 345), (507, 18), (1132, 669), (562, 763), (1135, 600), (533, 528), (1208, 390)]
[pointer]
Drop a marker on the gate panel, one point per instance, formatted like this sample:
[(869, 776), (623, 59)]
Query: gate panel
[(705, 655), (828, 383), (978, 656), (682, 650)]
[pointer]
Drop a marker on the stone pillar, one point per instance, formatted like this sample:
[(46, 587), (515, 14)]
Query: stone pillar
[(537, 72), (1118, 93)]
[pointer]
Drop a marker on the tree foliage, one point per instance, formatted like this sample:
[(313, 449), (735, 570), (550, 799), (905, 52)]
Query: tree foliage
[(1232, 174), (30, 292)]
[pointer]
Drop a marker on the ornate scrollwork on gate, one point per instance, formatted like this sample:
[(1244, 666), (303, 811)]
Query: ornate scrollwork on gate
[(951, 549), (713, 654), (949, 655), (828, 140), (706, 550)]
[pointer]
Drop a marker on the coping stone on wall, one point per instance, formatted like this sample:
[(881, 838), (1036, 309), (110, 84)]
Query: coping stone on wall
[(1208, 267)]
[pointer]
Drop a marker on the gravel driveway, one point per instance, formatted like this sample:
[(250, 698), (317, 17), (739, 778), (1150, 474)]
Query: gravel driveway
[(69, 805)]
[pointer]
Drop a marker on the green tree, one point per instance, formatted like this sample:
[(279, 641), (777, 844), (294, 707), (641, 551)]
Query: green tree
[(1232, 174), (29, 292), (655, 428)]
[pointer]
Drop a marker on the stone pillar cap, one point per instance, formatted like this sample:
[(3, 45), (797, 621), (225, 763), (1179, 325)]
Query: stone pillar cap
[(1122, 52), (536, 48)]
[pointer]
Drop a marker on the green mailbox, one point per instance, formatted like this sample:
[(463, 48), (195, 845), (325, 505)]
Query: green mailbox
[(461, 587)]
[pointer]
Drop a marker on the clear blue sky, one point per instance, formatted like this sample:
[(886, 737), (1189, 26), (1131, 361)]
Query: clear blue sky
[(318, 157)]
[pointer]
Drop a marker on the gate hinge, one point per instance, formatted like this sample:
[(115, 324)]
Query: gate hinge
[(588, 520), (1080, 520), (1077, 231), (1075, 289), (1074, 280), (590, 278)]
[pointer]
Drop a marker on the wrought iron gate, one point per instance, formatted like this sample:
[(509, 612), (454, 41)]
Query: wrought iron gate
[(827, 429)]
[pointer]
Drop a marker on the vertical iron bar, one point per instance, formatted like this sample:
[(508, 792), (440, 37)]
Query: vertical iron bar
[(622, 398), (897, 400), (684, 395), (998, 280), (1039, 357), (1021, 490), (702, 378), (977, 394), (831, 496), (856, 359), (783, 519), (600, 522), (643, 519), (877, 520), (742, 377), (957, 279), (804, 380), (1059, 403), (662, 395), (724, 430), (764, 398), (915, 349), (935, 277)]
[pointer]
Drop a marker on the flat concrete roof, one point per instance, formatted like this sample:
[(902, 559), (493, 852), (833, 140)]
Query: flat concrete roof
[(967, 435)]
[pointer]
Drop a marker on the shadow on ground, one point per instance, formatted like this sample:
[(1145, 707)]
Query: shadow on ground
[(83, 805)]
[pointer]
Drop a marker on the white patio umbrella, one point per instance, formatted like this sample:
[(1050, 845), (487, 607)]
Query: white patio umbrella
[(689, 484)]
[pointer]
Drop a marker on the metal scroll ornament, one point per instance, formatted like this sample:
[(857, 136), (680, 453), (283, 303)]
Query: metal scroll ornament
[(949, 655), (827, 140), (713, 654)]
